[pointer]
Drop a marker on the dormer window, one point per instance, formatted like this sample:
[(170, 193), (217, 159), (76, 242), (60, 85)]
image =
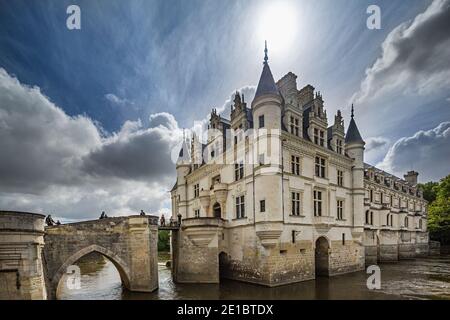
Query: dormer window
[(319, 137), (339, 146), (295, 126)]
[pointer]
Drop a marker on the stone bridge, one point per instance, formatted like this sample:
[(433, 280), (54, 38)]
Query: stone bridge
[(130, 243)]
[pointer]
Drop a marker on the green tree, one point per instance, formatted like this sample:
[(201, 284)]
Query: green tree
[(429, 191), (439, 212), (163, 240)]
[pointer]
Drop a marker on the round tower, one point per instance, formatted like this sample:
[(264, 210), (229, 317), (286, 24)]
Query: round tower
[(266, 111), (183, 167), (354, 148)]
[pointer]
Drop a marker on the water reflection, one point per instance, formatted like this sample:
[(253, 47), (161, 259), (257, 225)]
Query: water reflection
[(425, 278)]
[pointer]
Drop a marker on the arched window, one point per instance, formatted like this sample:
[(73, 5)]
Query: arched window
[(406, 222), (387, 220), (367, 217), (371, 217), (420, 224), (392, 220)]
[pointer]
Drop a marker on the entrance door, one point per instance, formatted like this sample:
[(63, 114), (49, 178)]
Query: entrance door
[(322, 257)]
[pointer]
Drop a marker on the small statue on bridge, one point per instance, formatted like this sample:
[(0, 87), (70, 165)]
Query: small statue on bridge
[(171, 222), (103, 215), (142, 213), (162, 221), (49, 220)]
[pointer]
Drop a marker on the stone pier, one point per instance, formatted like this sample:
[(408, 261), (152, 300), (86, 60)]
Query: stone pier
[(21, 268)]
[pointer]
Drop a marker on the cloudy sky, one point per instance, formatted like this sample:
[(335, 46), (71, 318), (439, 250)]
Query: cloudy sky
[(89, 118)]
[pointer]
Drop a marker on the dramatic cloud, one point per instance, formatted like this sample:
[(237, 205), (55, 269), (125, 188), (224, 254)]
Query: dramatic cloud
[(40, 144), (415, 57), (376, 143), (427, 152), (53, 162)]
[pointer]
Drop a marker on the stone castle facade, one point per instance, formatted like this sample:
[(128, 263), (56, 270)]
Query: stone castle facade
[(278, 195)]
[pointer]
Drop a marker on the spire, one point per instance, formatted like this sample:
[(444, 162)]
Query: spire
[(266, 83), (353, 135), (266, 58)]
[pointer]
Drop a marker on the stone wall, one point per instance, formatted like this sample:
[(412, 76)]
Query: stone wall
[(388, 246), (196, 251), (345, 258), (21, 242)]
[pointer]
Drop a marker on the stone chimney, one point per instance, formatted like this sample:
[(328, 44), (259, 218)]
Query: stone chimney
[(411, 177)]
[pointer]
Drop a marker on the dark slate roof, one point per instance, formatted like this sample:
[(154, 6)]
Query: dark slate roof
[(266, 83), (184, 152), (306, 110), (353, 135), (175, 186), (249, 116)]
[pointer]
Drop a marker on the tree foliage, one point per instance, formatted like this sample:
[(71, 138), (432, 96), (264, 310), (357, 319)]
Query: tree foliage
[(163, 240), (439, 209), (429, 191)]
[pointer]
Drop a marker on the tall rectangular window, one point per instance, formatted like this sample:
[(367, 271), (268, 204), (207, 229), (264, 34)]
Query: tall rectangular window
[(295, 210), (371, 195), (239, 171), (196, 190), (261, 121), (340, 178), (295, 126), (295, 165), (316, 136), (340, 209), (240, 207), (197, 213), (320, 167), (339, 146), (317, 203), (321, 138), (262, 206)]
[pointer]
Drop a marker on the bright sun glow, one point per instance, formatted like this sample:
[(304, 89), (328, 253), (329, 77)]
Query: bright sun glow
[(278, 25)]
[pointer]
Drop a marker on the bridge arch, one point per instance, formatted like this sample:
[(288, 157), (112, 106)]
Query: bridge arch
[(121, 266), (130, 243)]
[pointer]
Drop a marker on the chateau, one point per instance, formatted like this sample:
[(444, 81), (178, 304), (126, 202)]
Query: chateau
[(279, 195)]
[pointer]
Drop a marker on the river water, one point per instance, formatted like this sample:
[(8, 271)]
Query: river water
[(424, 278)]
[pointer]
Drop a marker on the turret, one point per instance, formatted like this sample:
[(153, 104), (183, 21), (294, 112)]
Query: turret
[(183, 167), (354, 144), (354, 147), (266, 105)]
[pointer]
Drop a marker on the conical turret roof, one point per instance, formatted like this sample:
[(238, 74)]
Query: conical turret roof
[(353, 135), (266, 83)]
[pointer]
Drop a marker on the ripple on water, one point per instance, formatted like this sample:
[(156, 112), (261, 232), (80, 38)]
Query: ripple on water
[(424, 278)]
